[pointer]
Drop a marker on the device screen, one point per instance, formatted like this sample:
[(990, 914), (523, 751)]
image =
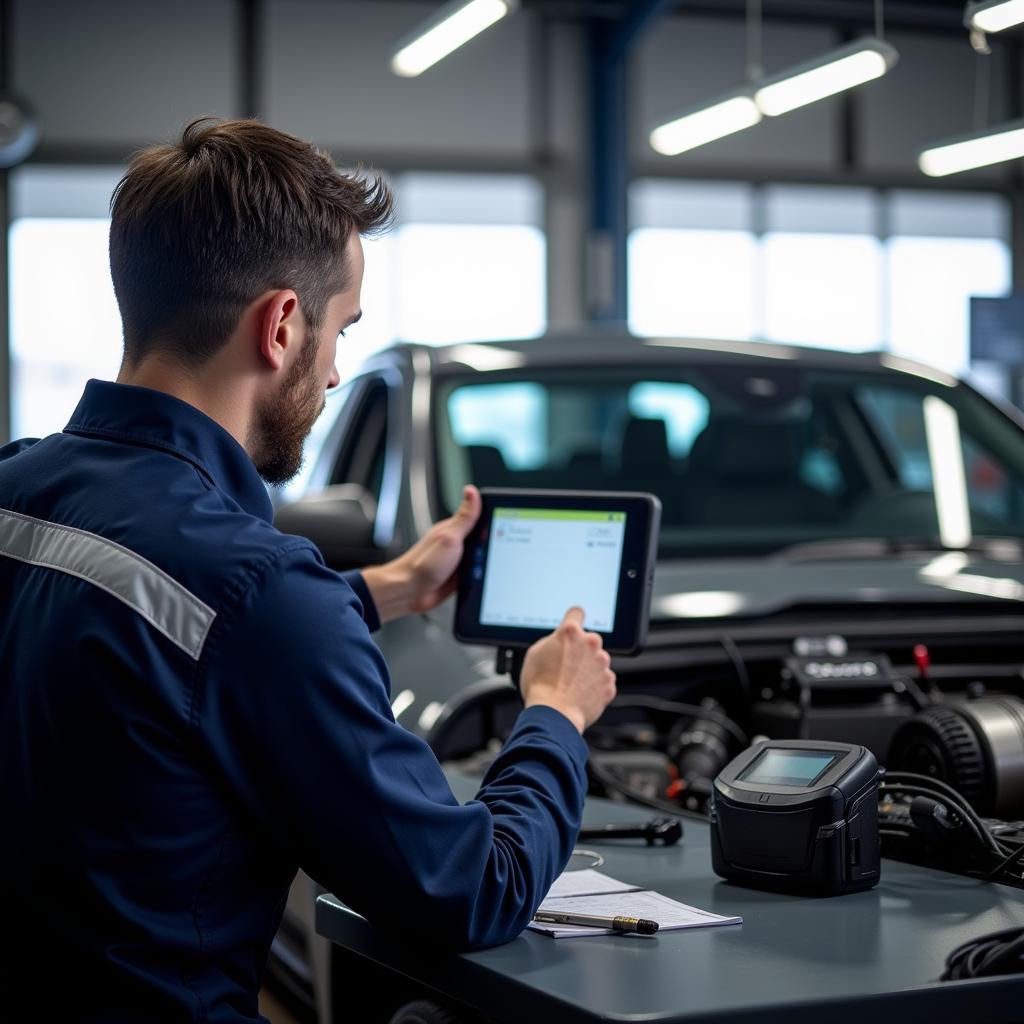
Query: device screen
[(542, 561), (788, 767)]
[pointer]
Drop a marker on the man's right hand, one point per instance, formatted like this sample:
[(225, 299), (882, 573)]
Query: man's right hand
[(569, 671)]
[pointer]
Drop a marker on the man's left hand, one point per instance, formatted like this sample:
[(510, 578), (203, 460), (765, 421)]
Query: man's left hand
[(422, 577)]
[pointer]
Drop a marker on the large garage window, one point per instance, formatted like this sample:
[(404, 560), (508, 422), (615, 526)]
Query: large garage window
[(822, 267), (693, 261), (466, 261), (944, 249), (467, 258), (823, 289), (64, 323), (699, 283), (836, 267)]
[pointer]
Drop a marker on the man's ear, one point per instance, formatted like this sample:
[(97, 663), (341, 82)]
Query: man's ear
[(281, 326)]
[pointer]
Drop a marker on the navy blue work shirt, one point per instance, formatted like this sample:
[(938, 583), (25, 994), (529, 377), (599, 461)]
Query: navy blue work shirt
[(192, 707)]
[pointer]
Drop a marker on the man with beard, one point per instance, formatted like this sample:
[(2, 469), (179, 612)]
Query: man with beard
[(191, 704)]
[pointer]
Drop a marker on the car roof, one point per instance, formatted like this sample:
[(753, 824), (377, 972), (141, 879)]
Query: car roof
[(596, 347)]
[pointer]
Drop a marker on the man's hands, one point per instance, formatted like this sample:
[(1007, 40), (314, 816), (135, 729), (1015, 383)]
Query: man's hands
[(422, 577), (569, 671)]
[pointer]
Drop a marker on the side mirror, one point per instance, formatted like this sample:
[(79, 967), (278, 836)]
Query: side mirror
[(339, 521)]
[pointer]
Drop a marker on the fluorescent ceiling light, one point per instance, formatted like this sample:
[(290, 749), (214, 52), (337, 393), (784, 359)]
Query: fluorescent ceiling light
[(994, 15), (454, 24), (834, 72), (1006, 142), (714, 121)]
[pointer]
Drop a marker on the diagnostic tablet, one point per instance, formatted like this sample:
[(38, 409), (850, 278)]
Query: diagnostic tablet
[(535, 554)]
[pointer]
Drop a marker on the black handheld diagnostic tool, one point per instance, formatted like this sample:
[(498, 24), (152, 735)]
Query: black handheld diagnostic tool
[(534, 554), (798, 815)]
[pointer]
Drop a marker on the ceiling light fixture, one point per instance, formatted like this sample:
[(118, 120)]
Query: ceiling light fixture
[(719, 117), (849, 66), (985, 145), (966, 152), (994, 15), (706, 123), (841, 69), (453, 25)]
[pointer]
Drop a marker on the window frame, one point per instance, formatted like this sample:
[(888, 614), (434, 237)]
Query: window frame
[(370, 434)]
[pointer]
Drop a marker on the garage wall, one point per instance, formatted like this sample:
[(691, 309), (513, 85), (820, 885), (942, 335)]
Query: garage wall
[(120, 73)]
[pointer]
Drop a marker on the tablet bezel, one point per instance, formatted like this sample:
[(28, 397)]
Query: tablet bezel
[(636, 572)]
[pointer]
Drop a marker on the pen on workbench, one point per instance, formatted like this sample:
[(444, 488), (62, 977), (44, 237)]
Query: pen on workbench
[(618, 924)]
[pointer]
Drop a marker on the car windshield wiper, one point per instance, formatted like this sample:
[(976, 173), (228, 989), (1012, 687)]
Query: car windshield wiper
[(1004, 549)]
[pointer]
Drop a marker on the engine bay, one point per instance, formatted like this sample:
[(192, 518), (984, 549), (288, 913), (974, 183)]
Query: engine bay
[(939, 702)]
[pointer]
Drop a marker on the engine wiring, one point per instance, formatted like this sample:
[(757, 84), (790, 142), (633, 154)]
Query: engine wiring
[(612, 782), (690, 710)]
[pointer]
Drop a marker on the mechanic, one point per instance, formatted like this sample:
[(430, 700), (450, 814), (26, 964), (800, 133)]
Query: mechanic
[(192, 704)]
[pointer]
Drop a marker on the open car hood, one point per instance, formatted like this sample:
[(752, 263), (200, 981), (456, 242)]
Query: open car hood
[(734, 588)]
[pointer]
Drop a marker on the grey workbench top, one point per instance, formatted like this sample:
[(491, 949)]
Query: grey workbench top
[(793, 959)]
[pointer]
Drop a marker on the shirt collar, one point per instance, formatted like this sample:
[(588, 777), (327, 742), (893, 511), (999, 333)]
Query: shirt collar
[(134, 415)]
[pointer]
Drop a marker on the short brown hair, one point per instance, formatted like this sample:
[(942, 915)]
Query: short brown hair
[(200, 228)]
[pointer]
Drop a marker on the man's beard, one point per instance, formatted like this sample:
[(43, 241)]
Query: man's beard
[(282, 423)]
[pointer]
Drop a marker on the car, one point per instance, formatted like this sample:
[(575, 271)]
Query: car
[(860, 509)]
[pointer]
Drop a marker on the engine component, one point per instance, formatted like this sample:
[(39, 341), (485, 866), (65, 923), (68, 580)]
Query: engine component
[(700, 749), (840, 697), (976, 746), (642, 772)]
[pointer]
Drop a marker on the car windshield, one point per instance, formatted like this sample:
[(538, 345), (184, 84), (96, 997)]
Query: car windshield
[(747, 460)]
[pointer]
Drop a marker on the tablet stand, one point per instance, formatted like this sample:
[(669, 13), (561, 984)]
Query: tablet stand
[(510, 662)]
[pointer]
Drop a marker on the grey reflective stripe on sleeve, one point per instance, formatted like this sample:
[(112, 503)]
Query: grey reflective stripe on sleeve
[(160, 600)]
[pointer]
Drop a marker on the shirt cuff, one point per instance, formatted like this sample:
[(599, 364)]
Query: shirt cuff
[(370, 616), (561, 729)]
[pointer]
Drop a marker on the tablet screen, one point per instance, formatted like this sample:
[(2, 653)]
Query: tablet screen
[(542, 561), (534, 554)]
